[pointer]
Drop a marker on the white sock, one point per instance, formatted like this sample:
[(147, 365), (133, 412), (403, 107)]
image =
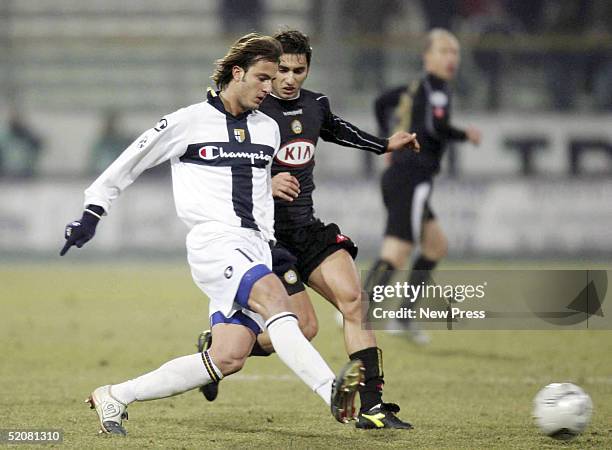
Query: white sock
[(174, 377), (325, 390), (299, 355)]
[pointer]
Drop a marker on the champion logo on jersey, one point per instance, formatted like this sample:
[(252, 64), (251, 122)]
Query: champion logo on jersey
[(212, 152), (239, 134), (296, 153)]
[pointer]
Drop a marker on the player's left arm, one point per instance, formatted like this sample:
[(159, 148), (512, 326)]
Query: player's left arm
[(474, 135), (339, 131), (471, 134), (151, 148), (451, 132), (438, 122)]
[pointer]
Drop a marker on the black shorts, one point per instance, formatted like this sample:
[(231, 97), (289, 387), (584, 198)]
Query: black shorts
[(310, 244), (407, 204)]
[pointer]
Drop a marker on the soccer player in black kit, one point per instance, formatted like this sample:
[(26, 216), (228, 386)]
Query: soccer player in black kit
[(424, 107), (309, 251)]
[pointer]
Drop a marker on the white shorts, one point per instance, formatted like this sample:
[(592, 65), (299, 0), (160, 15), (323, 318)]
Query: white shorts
[(225, 266)]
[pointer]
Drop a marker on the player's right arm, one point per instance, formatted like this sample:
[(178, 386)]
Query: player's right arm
[(151, 148)]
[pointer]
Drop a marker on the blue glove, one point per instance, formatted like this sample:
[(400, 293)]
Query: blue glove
[(82, 230)]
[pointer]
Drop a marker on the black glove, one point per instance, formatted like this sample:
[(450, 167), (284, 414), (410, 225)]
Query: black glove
[(82, 230), (282, 260)]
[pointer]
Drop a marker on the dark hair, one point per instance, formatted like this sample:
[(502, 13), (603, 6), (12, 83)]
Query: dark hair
[(295, 42), (245, 52)]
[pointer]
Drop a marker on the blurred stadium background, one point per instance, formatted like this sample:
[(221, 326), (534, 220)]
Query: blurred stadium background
[(536, 77)]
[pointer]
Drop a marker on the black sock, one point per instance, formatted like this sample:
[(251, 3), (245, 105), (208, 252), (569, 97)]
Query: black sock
[(420, 274), (380, 274), (371, 392), (257, 350)]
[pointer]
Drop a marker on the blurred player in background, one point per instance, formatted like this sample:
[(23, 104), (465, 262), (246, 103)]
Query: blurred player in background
[(425, 108), (20, 147), (221, 151), (110, 143), (324, 255)]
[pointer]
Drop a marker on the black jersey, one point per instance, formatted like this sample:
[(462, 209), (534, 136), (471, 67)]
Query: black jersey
[(423, 108), (302, 121)]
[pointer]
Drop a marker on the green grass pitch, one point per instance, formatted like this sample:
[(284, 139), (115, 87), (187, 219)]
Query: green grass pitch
[(67, 329)]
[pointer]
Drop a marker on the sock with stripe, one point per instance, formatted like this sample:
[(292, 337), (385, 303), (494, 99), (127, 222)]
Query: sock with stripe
[(299, 355), (174, 377)]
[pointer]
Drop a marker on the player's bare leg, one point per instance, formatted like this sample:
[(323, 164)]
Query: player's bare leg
[(434, 244), (230, 347), (337, 280), (299, 304), (230, 355), (395, 251)]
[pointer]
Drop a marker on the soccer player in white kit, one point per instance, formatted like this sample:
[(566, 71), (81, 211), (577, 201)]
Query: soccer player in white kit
[(220, 152)]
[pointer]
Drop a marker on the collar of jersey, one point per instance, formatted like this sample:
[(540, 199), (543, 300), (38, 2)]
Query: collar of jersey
[(435, 81), (287, 99), (215, 100)]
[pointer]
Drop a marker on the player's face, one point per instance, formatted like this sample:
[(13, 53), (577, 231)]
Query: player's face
[(255, 84), (442, 58), (292, 71)]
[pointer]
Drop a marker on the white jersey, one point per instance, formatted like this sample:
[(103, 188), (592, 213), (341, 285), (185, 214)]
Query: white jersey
[(220, 167)]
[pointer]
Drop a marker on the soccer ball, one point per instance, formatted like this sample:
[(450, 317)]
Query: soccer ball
[(562, 410)]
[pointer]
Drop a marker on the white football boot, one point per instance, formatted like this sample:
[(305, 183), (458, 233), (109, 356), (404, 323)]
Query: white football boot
[(111, 411)]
